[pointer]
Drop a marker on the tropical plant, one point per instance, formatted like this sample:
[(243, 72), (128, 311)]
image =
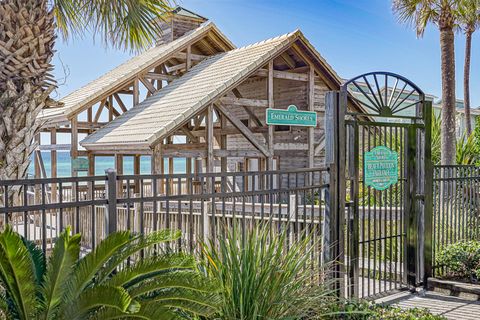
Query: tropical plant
[(462, 260), (466, 150), (103, 284), (469, 20), (27, 36), (261, 279), (363, 310), (444, 14)]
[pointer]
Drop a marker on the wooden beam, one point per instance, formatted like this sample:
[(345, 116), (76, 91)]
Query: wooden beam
[(244, 102), (193, 57), (311, 107), (286, 75), (74, 141), (227, 131), (223, 144), (136, 92), (184, 146), (288, 60), (320, 147), (119, 169), (91, 164), (237, 153), (54, 147), (243, 130), (177, 67), (110, 108), (188, 58), (99, 110), (160, 76), (209, 139), (250, 113), (148, 85), (53, 161), (189, 134), (271, 104), (120, 102)]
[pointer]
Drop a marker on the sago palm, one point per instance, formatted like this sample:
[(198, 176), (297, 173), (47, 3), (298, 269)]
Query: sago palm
[(443, 14), (104, 284), (27, 35)]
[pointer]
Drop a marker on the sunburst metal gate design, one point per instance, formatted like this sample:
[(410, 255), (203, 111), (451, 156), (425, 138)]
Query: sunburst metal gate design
[(380, 223)]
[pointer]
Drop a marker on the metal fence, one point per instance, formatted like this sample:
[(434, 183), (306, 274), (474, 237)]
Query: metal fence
[(456, 208), (203, 206)]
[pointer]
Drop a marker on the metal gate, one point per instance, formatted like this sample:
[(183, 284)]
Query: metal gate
[(381, 159)]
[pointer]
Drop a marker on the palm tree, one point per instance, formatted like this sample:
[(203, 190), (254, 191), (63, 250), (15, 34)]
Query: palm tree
[(27, 36), (104, 284), (444, 14), (469, 18)]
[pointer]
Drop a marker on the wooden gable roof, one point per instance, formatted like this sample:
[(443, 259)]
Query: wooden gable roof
[(93, 92), (161, 114)]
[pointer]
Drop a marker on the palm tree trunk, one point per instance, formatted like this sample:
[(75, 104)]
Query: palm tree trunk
[(466, 81), (448, 96), (27, 35)]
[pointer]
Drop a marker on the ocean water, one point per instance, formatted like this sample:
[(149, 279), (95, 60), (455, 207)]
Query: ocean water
[(103, 163)]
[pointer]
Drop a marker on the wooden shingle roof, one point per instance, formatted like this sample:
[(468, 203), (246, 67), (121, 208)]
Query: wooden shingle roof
[(141, 127), (125, 73)]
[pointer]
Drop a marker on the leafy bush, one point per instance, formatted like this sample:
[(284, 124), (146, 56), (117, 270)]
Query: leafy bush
[(461, 259), (100, 285), (261, 279), (360, 310)]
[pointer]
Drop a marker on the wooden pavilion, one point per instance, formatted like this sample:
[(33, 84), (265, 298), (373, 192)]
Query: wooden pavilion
[(202, 91)]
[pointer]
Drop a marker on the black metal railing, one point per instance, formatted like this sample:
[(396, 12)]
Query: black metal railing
[(203, 206), (456, 206)]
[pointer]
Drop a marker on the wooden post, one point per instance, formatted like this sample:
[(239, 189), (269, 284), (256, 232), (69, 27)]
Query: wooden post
[(91, 164), (136, 93), (119, 170), (136, 171), (223, 144), (271, 104), (158, 166), (110, 108), (311, 130), (209, 139), (37, 170), (188, 63), (53, 163), (74, 141)]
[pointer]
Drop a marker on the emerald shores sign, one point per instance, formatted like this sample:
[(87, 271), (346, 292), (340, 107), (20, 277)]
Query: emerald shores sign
[(380, 168), (291, 117)]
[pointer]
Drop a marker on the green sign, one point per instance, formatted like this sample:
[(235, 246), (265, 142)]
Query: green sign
[(380, 167), (291, 117), (80, 164)]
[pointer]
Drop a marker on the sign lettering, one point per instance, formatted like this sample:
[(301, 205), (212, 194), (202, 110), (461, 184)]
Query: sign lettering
[(291, 117), (380, 168)]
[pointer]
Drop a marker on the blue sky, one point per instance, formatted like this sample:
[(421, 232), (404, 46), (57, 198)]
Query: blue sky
[(353, 36)]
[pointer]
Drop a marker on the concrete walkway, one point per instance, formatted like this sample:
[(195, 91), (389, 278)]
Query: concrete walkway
[(451, 307)]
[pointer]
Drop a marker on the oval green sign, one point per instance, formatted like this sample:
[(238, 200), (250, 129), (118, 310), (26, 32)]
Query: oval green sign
[(380, 168)]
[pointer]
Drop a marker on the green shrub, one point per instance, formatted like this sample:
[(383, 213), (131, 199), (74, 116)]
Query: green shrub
[(461, 259), (99, 285), (261, 279), (361, 310)]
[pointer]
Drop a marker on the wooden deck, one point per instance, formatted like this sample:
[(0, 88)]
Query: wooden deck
[(454, 308)]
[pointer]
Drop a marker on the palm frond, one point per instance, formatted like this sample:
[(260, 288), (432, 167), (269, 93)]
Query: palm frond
[(88, 267), (148, 311), (120, 23), (98, 297), (150, 267), (60, 267), (38, 259), (137, 244), (185, 279), (201, 304), (17, 273)]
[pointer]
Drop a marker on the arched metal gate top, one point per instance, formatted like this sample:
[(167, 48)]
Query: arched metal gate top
[(385, 94)]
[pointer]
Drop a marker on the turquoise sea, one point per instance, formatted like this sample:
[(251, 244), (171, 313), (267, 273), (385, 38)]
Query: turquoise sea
[(103, 163)]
